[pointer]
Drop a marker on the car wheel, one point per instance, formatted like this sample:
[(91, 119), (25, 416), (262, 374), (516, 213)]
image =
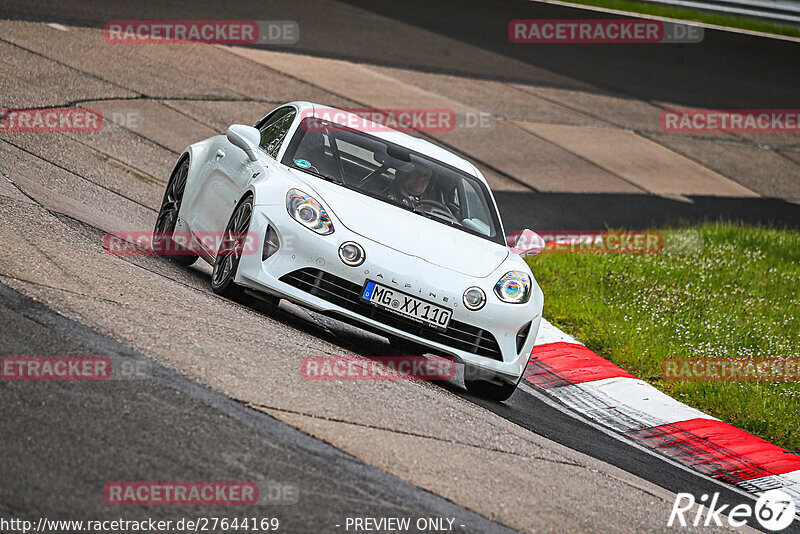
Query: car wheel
[(230, 252), (168, 217), (490, 390)]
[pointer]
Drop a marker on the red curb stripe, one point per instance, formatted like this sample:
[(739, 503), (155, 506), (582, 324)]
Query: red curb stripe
[(562, 364), (712, 447), (719, 450)]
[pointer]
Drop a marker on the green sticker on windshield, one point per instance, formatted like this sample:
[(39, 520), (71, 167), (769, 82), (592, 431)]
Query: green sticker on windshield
[(304, 164)]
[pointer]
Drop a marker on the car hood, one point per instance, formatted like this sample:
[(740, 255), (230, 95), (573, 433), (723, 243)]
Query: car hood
[(409, 232)]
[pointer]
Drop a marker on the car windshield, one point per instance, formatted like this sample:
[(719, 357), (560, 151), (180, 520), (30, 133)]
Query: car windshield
[(394, 174)]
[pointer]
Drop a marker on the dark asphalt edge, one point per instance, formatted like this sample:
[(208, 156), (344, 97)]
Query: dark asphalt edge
[(260, 422)]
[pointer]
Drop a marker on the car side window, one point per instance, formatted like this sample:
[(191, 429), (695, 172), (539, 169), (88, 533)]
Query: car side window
[(273, 131)]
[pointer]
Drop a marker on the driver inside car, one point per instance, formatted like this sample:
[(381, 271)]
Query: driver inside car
[(409, 186)]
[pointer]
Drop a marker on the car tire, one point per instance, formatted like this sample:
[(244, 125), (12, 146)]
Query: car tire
[(490, 390), (226, 263), (168, 217)]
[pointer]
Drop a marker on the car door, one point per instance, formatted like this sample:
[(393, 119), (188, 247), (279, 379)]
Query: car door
[(231, 171)]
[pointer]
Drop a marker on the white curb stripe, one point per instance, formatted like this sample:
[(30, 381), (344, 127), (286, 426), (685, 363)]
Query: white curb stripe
[(625, 404), (551, 334), (787, 482)]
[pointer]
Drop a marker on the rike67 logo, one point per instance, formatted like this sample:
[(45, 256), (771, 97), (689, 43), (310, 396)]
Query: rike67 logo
[(774, 510)]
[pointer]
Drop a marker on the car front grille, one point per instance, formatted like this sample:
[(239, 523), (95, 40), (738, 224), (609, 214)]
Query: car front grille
[(346, 294)]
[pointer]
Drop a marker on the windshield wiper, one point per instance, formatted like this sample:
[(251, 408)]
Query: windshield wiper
[(431, 216), (418, 211), (319, 175)]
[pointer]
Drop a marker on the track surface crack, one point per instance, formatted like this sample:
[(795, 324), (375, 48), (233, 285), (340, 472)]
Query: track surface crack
[(413, 434)]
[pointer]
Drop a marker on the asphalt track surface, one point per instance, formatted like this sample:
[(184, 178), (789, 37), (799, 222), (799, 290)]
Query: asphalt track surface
[(178, 430), (223, 400)]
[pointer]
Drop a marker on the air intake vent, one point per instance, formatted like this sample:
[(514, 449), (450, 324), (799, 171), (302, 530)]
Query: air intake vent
[(522, 336), (271, 243), (348, 295)]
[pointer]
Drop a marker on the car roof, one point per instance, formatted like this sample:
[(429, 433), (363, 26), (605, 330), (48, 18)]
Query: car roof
[(388, 134)]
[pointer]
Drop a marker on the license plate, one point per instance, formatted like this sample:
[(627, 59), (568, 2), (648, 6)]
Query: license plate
[(403, 304)]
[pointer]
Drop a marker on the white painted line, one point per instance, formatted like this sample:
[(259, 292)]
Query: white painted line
[(58, 26)]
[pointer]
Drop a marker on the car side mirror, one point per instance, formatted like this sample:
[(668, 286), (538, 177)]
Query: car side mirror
[(245, 137), (528, 243)]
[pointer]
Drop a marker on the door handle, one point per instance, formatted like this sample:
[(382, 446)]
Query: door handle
[(220, 154)]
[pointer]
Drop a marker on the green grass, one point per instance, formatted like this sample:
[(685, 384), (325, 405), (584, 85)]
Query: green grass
[(717, 291), (658, 10)]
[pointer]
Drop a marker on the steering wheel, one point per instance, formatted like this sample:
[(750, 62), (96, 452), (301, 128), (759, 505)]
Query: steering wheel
[(437, 208)]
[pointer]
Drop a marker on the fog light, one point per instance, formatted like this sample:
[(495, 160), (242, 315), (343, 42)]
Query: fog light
[(474, 298), (351, 254)]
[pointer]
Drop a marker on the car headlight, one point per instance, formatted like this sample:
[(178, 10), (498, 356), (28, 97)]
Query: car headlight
[(474, 298), (308, 212), (514, 287)]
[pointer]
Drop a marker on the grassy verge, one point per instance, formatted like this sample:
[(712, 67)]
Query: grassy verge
[(682, 13), (734, 294)]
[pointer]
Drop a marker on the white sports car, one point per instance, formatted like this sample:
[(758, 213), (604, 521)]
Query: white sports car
[(368, 225)]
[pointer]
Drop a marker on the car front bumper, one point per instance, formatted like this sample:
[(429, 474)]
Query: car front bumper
[(306, 269)]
